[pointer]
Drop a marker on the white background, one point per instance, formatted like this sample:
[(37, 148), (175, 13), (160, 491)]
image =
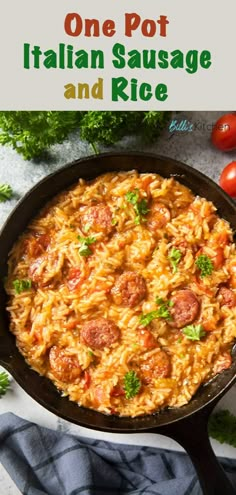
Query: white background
[(197, 25)]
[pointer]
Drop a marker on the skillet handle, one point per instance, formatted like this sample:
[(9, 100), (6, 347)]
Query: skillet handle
[(192, 434)]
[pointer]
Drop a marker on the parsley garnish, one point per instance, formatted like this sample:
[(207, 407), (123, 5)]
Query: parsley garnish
[(222, 427), (194, 332), (5, 192), (21, 285), (132, 384), (84, 249), (140, 206), (205, 265), (174, 257), (162, 312), (4, 382)]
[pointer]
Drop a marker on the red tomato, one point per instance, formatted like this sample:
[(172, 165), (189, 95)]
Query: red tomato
[(224, 132), (74, 278), (147, 339), (228, 179)]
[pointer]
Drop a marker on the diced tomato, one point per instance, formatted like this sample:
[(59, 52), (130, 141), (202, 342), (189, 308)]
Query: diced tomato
[(72, 323), (201, 286), (222, 363), (209, 325), (146, 339), (222, 238), (37, 245), (232, 270), (74, 278), (117, 391), (87, 380), (218, 259)]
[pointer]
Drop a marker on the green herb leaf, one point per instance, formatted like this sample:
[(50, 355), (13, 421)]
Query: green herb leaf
[(147, 318), (22, 285), (205, 265), (30, 133), (162, 312), (194, 332), (132, 197), (132, 384), (222, 427), (5, 192), (84, 250), (174, 257), (4, 382), (140, 207), (114, 221)]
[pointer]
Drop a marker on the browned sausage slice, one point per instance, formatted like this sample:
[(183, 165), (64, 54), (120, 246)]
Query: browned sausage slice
[(99, 333), (158, 217), (226, 297), (97, 218), (156, 366), (185, 309), (129, 289), (64, 367)]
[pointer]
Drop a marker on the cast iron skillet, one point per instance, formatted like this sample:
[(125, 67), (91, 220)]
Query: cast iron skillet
[(188, 424)]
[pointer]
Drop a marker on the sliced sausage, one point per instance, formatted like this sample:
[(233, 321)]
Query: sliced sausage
[(185, 309), (99, 333), (96, 218), (156, 366), (158, 217), (46, 268), (226, 297), (64, 367), (129, 289), (222, 363)]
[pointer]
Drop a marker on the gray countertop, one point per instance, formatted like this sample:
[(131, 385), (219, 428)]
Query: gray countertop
[(193, 148)]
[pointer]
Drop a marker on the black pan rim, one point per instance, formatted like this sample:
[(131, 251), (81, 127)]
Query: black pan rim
[(122, 420)]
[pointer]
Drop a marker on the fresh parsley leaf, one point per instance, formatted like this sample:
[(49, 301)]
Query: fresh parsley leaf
[(114, 221), (86, 228), (140, 207), (22, 285), (5, 192), (174, 257), (132, 384), (132, 197), (30, 133), (194, 332), (162, 312), (84, 249), (222, 427), (204, 264), (4, 383), (147, 318)]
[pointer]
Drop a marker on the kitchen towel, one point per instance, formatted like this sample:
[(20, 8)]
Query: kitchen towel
[(47, 462)]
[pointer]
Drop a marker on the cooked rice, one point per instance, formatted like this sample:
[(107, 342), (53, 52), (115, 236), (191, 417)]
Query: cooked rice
[(51, 313)]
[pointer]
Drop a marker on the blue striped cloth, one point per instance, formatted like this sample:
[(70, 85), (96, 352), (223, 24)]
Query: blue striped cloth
[(46, 462)]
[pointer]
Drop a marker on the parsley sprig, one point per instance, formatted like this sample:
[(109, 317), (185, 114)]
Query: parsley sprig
[(132, 384), (162, 312), (194, 332), (174, 257), (4, 382), (205, 265), (140, 205), (222, 427), (5, 192), (84, 249), (21, 285)]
